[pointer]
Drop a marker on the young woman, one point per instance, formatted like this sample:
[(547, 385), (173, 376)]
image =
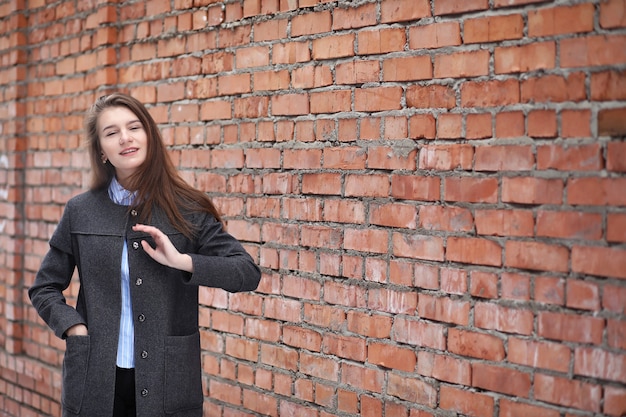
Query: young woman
[(142, 241)]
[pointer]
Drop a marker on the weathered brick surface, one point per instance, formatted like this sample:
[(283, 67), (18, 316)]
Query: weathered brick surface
[(435, 190)]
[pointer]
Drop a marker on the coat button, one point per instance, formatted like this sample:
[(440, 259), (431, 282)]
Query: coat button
[(141, 318), (144, 392), (138, 281), (144, 354), (133, 212), (135, 245)]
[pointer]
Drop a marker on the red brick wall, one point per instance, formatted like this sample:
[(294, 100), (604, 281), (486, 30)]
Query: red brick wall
[(436, 192)]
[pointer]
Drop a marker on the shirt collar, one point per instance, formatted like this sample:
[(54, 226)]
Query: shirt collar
[(120, 195)]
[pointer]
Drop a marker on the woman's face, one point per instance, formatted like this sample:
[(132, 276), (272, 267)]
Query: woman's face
[(123, 140)]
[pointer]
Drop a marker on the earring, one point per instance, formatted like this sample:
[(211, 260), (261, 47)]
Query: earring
[(104, 160)]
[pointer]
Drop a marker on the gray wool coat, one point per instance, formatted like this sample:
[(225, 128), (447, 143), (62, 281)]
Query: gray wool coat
[(90, 237)]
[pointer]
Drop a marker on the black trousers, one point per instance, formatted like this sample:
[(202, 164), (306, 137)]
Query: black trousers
[(124, 405)]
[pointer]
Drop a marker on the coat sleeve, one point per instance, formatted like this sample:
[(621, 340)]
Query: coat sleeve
[(221, 261), (53, 277)]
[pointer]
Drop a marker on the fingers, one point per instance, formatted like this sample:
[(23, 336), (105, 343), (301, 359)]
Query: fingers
[(151, 230)]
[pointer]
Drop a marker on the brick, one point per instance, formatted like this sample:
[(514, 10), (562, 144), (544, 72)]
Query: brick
[(569, 225), (611, 122), (429, 96), (602, 261), (509, 320), (290, 104), (352, 348), (525, 58), (471, 189), (476, 251), (539, 354), (435, 35), (407, 69), (290, 53), (616, 227), (596, 191), (354, 17), (366, 185), (567, 327), (443, 7), (329, 47), (380, 41), (510, 124), (270, 30), (321, 184), (443, 309), (465, 402), (515, 286), (445, 218), (393, 215), (343, 211), (561, 20), (392, 357), (536, 256), (501, 379), (412, 389), (250, 57), (528, 190), (490, 93), (403, 10), (576, 123), (592, 51), (542, 124), (614, 401), (357, 72), (510, 408), (370, 240), (419, 333), (608, 85), (259, 402), (311, 23), (369, 325), (311, 76), (330, 101), (560, 391), (450, 126), (612, 14), (462, 64), (377, 99), (483, 284), (615, 333), (418, 247), (493, 28), (359, 376), (554, 88), (597, 363), (504, 158)]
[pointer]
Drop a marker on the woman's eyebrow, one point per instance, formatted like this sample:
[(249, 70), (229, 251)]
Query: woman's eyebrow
[(128, 123)]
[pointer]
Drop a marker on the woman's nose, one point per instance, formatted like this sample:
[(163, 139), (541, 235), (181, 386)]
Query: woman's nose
[(124, 136)]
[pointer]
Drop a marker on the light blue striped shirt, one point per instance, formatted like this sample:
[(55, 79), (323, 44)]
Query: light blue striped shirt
[(126, 342)]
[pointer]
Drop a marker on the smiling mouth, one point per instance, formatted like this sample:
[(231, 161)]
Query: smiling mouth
[(128, 151)]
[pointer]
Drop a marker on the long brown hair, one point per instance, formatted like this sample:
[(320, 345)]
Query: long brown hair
[(156, 181)]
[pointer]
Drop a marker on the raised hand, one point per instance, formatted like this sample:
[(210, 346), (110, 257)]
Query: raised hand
[(164, 252)]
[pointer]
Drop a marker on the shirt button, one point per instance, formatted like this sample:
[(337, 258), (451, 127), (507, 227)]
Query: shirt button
[(144, 392), (133, 212), (139, 281), (135, 245), (144, 354), (141, 318)]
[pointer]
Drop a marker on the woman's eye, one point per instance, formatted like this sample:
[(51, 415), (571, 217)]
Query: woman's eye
[(110, 133)]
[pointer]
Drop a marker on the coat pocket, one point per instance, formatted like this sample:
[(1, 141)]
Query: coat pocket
[(183, 378), (75, 372)]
